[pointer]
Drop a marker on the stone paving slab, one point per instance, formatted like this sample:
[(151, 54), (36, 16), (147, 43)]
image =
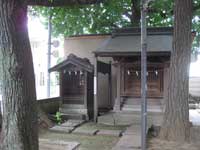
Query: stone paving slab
[(133, 130), (123, 148), (131, 139), (117, 133), (129, 118), (72, 123), (45, 144), (62, 129), (85, 131)]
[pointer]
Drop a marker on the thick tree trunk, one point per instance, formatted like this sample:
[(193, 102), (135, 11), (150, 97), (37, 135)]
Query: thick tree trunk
[(19, 97), (176, 118)]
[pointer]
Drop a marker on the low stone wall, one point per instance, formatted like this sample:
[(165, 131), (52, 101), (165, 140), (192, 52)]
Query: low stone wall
[(50, 105)]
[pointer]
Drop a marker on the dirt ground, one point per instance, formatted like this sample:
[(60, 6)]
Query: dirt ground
[(157, 144), (87, 142)]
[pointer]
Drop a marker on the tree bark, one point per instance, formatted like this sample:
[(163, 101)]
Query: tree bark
[(176, 117), (136, 15), (19, 130)]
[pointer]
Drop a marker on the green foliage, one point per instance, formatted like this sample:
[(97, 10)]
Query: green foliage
[(99, 18), (103, 17), (58, 117)]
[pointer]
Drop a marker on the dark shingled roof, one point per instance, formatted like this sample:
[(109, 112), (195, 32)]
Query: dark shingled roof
[(137, 31), (82, 63), (127, 41)]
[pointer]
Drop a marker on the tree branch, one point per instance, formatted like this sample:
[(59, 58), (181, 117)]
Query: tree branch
[(60, 3)]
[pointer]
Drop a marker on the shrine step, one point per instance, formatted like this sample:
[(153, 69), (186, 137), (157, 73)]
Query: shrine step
[(138, 102), (75, 116), (73, 110), (138, 108), (76, 106)]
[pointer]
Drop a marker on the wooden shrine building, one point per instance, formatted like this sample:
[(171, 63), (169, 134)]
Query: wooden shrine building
[(124, 49), (76, 87)]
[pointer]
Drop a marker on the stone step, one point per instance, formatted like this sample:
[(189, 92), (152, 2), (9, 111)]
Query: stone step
[(75, 116), (86, 131), (76, 106), (137, 109), (73, 110), (116, 133), (62, 129), (72, 123), (139, 103)]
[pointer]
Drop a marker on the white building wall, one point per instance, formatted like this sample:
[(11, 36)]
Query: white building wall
[(194, 86)]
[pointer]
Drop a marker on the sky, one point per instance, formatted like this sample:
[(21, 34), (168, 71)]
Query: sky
[(36, 29)]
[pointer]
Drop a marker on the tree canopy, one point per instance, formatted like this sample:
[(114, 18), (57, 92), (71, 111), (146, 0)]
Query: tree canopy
[(102, 18)]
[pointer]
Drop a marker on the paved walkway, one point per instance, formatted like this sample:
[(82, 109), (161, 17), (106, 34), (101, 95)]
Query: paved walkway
[(131, 139)]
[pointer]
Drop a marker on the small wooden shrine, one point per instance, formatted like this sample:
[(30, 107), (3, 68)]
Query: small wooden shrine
[(124, 47), (76, 87)]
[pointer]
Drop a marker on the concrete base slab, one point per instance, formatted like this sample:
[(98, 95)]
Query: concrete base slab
[(62, 129), (117, 133), (45, 144), (85, 131)]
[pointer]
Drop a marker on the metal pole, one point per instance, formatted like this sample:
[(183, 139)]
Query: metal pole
[(143, 73), (96, 91), (49, 55)]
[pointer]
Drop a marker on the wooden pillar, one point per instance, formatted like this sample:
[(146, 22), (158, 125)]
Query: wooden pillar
[(117, 106), (86, 94), (110, 85), (85, 89), (61, 83), (96, 90)]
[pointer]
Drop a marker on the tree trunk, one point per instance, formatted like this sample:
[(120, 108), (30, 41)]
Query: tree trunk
[(176, 118), (19, 130), (135, 9)]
